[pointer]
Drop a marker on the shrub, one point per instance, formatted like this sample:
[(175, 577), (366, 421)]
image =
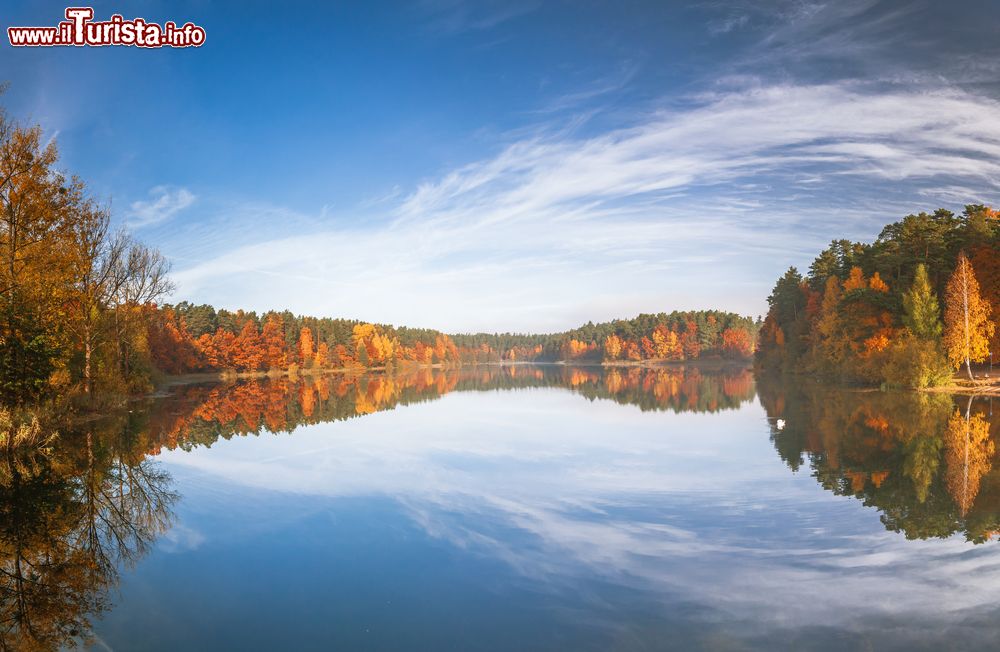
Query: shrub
[(916, 363)]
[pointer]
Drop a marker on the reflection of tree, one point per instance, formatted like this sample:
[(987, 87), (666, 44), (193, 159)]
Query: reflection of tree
[(68, 522), (923, 457), (969, 453), (926, 467), (200, 414)]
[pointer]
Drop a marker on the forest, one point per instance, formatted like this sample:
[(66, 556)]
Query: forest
[(83, 316), (907, 310), (185, 338)]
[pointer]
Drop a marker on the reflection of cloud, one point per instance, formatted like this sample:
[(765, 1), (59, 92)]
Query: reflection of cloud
[(560, 489), (180, 538)]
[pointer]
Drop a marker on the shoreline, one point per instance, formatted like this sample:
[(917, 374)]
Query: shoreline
[(965, 387), (959, 385), (168, 381)]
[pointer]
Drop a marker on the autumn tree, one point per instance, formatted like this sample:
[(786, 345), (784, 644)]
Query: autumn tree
[(737, 343), (828, 337), (322, 355), (99, 255), (272, 340), (969, 454), (445, 349), (985, 261), (855, 280), (968, 328), (34, 269), (307, 347), (141, 281), (612, 347), (248, 349), (666, 344), (877, 284), (217, 349), (72, 289), (171, 346)]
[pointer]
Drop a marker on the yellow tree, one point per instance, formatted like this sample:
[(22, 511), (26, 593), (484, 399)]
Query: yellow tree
[(665, 343), (384, 346), (612, 347), (967, 325), (37, 207), (361, 337), (969, 454)]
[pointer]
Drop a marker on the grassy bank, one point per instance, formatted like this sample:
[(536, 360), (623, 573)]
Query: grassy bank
[(981, 386)]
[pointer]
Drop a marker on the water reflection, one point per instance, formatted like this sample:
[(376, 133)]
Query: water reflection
[(200, 414), (71, 517), (925, 461), (608, 526), (74, 516)]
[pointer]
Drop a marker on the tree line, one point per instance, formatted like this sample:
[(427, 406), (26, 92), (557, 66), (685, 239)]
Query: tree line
[(186, 338), (905, 310)]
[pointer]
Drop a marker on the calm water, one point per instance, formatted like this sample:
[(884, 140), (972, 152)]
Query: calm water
[(511, 509)]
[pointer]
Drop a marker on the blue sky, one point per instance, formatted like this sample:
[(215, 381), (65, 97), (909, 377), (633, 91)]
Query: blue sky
[(518, 165)]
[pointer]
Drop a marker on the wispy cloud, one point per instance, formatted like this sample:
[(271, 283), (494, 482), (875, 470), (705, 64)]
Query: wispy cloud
[(165, 203), (584, 97), (914, 43), (457, 16), (752, 134), (728, 24), (700, 191)]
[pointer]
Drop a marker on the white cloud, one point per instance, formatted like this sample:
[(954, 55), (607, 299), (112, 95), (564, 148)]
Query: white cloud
[(165, 204), (458, 16), (688, 207), (729, 24)]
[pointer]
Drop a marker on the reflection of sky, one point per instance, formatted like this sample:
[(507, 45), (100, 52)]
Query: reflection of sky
[(573, 523)]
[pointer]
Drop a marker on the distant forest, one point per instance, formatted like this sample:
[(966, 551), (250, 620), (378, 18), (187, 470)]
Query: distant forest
[(186, 338), (905, 310)]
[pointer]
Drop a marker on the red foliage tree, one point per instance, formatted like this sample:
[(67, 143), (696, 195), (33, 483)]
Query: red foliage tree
[(737, 343)]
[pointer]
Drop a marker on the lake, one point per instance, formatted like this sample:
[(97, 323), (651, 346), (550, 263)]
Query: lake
[(511, 508)]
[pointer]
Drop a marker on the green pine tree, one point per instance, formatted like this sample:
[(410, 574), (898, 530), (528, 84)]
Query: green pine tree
[(921, 311)]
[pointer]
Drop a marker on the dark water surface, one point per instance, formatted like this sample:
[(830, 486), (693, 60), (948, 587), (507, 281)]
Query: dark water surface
[(517, 508)]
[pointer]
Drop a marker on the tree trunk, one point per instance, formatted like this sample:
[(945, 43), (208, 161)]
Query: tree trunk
[(86, 359), (965, 309)]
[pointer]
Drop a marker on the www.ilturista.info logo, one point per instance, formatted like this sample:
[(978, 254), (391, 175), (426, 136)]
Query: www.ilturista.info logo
[(80, 29)]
